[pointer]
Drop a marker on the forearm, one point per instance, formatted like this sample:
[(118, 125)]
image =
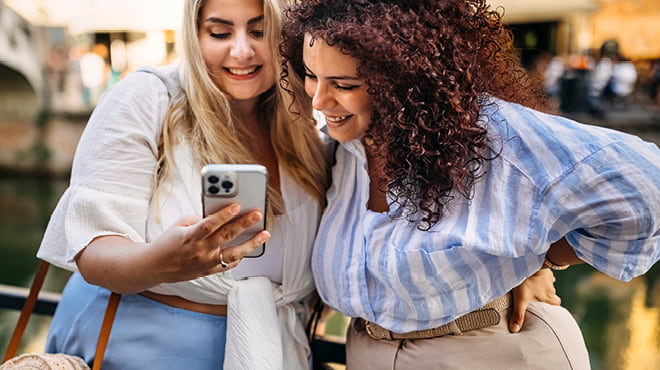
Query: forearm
[(190, 249), (561, 253), (118, 264)]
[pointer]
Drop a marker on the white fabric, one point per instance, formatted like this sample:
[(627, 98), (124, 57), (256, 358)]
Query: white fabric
[(111, 194), (92, 70), (624, 77), (600, 76), (270, 264), (254, 296)]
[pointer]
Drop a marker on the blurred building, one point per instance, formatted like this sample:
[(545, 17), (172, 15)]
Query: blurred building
[(45, 71), (139, 32), (568, 27), (568, 36), (54, 37), (43, 41), (21, 82)]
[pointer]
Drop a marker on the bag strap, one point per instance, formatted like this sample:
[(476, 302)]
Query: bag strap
[(28, 306), (314, 318), (31, 301), (106, 327)]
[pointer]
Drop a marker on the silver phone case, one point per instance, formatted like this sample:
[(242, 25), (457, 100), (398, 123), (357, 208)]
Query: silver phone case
[(245, 184)]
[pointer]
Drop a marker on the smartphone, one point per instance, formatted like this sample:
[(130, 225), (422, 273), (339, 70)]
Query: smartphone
[(245, 184)]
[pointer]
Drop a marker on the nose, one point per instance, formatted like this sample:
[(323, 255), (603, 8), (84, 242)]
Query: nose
[(241, 47), (322, 98)]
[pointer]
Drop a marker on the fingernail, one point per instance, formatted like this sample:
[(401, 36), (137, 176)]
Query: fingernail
[(256, 217), (235, 208), (515, 328)]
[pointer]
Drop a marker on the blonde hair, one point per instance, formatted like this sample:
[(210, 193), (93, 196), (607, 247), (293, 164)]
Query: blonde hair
[(206, 116)]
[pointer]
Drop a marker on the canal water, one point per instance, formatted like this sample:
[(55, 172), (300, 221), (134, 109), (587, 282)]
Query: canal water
[(620, 321)]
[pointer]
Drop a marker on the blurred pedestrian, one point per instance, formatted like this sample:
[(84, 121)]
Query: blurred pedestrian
[(552, 77), (655, 89), (613, 78), (94, 72)]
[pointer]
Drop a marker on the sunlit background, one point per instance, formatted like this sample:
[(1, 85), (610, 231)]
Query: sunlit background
[(58, 56)]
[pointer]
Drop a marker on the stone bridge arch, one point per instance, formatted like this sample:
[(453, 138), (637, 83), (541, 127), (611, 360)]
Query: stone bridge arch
[(21, 79)]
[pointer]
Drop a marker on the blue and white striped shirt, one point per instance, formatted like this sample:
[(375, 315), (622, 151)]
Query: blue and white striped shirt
[(554, 178)]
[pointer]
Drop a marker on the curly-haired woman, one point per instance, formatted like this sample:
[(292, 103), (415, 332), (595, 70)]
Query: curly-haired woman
[(451, 185)]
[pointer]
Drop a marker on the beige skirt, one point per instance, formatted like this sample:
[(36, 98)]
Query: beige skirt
[(549, 339)]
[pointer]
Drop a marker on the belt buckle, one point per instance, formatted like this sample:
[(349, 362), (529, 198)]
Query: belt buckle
[(377, 332)]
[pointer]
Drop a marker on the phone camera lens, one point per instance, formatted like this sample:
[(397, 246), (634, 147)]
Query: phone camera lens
[(213, 189), (227, 185), (213, 179)]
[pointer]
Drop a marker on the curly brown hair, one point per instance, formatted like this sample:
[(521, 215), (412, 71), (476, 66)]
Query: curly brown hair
[(430, 67)]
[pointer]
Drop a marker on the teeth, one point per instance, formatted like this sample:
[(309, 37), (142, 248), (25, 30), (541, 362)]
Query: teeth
[(336, 119), (236, 71)]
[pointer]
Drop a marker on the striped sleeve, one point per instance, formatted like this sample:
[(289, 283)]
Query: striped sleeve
[(608, 207)]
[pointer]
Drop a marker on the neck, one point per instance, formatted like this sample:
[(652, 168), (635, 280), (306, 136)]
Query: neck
[(247, 109), (375, 168), (247, 114)]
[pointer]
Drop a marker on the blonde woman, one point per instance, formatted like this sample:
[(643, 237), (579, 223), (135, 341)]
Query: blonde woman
[(131, 222)]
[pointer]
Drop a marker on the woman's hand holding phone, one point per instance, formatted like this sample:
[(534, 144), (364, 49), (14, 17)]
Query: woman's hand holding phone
[(193, 246), (187, 250)]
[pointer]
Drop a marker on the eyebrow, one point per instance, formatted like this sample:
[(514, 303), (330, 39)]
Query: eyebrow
[(340, 77), (230, 23)]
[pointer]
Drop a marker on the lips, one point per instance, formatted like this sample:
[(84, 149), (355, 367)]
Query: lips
[(336, 121), (242, 73)]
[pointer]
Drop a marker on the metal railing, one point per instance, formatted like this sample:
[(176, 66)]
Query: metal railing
[(12, 297)]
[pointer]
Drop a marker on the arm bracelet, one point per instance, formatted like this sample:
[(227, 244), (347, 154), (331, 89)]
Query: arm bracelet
[(552, 266)]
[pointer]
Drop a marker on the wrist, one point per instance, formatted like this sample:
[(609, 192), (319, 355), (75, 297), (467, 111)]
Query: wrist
[(551, 265)]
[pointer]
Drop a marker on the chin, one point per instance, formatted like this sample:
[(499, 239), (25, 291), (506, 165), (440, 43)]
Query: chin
[(247, 94), (342, 138)]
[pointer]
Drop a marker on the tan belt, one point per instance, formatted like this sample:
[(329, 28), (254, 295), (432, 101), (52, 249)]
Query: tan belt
[(486, 316), (178, 302)]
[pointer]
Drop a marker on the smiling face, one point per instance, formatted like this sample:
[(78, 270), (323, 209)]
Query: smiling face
[(231, 39), (336, 91)]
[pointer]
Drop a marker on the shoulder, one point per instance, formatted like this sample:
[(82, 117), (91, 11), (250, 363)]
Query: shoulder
[(147, 82), (168, 76), (138, 102), (545, 146), (138, 84), (146, 89)]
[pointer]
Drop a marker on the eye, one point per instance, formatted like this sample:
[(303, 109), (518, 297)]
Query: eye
[(257, 33), (310, 75), (346, 87), (220, 36)]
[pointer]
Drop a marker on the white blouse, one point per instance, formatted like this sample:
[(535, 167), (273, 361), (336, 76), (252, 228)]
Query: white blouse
[(111, 192)]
